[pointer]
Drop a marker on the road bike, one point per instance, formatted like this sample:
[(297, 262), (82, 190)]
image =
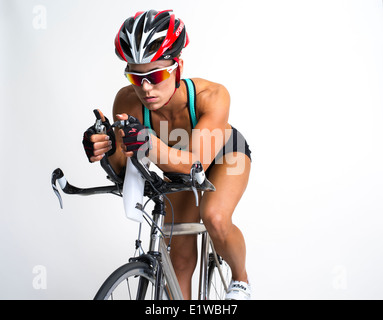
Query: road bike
[(150, 275)]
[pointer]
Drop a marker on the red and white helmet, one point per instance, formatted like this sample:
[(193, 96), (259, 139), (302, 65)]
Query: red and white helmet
[(150, 36)]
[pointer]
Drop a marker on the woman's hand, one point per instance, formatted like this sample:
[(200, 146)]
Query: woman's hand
[(121, 132), (96, 145), (135, 137)]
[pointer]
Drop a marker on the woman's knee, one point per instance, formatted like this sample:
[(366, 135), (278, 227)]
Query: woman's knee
[(218, 222), (184, 256)]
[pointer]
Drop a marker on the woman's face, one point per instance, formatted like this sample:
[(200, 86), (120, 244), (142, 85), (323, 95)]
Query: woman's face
[(154, 96)]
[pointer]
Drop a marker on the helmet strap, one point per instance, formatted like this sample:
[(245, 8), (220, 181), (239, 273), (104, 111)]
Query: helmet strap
[(178, 79), (171, 97), (178, 73)]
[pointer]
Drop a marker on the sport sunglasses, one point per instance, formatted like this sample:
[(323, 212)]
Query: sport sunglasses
[(153, 77)]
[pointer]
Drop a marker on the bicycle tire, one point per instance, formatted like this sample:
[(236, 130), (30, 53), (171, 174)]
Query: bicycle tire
[(140, 283)]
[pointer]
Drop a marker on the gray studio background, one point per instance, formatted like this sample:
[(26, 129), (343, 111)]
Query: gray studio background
[(306, 81)]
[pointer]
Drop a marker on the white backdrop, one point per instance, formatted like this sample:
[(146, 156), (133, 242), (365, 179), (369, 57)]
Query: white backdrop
[(306, 81)]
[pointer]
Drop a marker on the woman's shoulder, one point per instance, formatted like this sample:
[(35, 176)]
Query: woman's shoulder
[(209, 92), (203, 85), (126, 101), (126, 94)]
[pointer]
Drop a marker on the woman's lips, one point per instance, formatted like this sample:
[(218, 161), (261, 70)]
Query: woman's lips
[(150, 99)]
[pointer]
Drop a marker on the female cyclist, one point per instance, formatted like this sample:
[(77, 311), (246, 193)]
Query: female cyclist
[(151, 43)]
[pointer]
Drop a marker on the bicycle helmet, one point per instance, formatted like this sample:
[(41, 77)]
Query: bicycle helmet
[(150, 36)]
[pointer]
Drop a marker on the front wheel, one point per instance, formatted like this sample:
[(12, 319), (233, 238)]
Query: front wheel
[(219, 278), (132, 281)]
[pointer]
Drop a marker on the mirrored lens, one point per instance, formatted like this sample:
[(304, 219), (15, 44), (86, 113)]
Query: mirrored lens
[(134, 79), (154, 77), (158, 76)]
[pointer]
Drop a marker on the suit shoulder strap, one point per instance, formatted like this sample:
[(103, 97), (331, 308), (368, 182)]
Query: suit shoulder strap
[(146, 117), (191, 101)]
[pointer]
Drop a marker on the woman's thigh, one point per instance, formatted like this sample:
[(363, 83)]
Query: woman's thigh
[(230, 179)]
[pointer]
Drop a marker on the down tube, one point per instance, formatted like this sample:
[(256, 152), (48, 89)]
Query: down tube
[(170, 275)]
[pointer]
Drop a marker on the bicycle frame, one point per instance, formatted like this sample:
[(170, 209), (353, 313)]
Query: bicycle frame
[(169, 273), (158, 255), (158, 248)]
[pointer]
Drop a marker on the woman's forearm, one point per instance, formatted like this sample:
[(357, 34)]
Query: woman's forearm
[(170, 159)]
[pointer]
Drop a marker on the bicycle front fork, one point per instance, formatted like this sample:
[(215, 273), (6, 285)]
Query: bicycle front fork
[(158, 249), (203, 280)]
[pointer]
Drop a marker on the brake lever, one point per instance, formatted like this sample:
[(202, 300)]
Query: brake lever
[(58, 175), (121, 123), (197, 174), (100, 128)]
